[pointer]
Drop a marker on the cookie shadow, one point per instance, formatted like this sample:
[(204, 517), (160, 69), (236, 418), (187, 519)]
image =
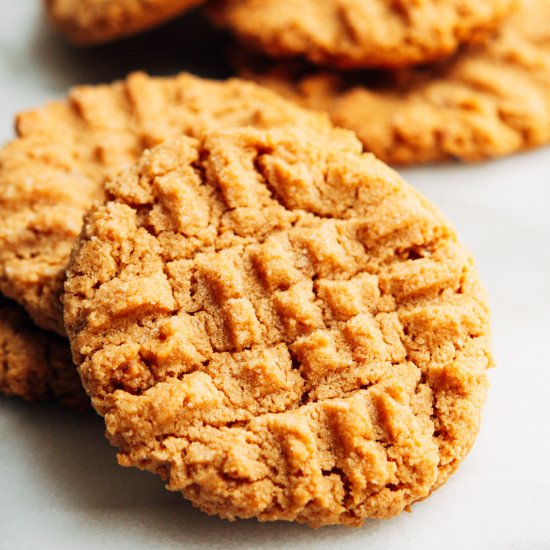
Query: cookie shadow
[(69, 454), (188, 43)]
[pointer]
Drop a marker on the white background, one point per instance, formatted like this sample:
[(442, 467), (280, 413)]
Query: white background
[(60, 486)]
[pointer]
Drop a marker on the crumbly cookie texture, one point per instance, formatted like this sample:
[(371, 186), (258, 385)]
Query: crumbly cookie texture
[(90, 22), (490, 100), (351, 34), (55, 169), (34, 364), (280, 327)]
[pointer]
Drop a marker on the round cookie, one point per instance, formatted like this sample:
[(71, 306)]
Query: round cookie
[(54, 170), (34, 364), (351, 34), (490, 100), (91, 22), (280, 327)]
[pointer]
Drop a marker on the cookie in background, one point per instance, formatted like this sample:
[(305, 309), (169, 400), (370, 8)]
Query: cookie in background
[(355, 34), (92, 22), (489, 100)]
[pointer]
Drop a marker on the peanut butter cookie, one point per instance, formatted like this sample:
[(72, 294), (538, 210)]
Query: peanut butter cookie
[(90, 22), (34, 364), (280, 327), (488, 101), (54, 170), (351, 34)]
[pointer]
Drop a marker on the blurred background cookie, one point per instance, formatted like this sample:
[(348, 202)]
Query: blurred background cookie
[(351, 34), (90, 22), (489, 100)]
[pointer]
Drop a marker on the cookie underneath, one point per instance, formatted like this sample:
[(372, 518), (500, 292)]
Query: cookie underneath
[(280, 327), (34, 364)]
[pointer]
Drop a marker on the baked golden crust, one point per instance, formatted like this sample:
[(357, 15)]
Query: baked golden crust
[(352, 34), (280, 327)]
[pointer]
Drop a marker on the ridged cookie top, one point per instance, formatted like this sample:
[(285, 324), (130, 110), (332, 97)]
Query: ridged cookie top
[(280, 327), (90, 22), (351, 34), (489, 100), (55, 169)]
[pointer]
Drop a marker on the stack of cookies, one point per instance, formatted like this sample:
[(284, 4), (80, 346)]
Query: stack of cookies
[(418, 81), (264, 313)]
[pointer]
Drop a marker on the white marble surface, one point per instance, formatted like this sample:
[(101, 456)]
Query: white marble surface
[(59, 484)]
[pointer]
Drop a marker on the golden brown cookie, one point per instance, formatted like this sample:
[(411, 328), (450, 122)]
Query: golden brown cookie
[(90, 22), (280, 327), (488, 101), (351, 34), (34, 364), (54, 170)]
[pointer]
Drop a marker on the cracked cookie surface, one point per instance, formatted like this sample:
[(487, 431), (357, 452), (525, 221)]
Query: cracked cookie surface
[(55, 169), (280, 327), (490, 100), (34, 364), (349, 34), (90, 22)]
